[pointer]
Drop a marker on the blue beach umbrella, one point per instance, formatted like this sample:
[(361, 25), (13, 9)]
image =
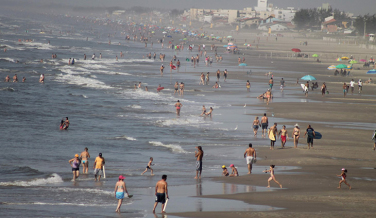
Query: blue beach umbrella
[(225, 46), (308, 78), (242, 64), (373, 71)]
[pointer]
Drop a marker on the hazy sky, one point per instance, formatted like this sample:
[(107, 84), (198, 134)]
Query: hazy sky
[(358, 7)]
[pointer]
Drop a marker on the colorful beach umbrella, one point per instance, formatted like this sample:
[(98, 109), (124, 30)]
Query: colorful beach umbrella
[(341, 66), (339, 59), (332, 67), (345, 58), (315, 55), (296, 50), (242, 65), (373, 71), (308, 78), (353, 62)]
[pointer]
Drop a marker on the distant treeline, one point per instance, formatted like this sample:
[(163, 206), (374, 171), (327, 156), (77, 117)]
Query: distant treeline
[(311, 18), (370, 21)]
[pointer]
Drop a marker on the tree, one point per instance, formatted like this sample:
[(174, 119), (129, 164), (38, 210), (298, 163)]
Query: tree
[(370, 21), (176, 12)]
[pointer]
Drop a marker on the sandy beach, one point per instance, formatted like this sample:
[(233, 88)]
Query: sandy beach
[(345, 123)]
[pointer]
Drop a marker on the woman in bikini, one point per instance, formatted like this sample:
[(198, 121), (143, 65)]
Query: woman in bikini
[(248, 85), (120, 188), (272, 176), (256, 124), (296, 135)]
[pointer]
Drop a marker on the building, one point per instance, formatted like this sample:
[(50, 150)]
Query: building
[(285, 14), (275, 27)]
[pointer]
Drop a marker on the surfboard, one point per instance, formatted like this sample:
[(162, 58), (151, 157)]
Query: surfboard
[(104, 173), (160, 88), (304, 87), (317, 135), (271, 135), (164, 208)]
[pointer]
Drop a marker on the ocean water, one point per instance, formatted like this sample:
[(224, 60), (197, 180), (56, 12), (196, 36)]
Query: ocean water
[(107, 115)]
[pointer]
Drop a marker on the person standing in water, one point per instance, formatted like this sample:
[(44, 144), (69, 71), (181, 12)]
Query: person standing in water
[(66, 123), (161, 193), (272, 176), (98, 167), (250, 155), (161, 69), (75, 163), (178, 106), (41, 78), (203, 110), (256, 124), (120, 189), (149, 167), (199, 154), (343, 179), (264, 124), (85, 161)]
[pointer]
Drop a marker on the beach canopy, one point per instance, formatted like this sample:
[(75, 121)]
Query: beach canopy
[(363, 60), (296, 50), (345, 58), (339, 59), (332, 67), (341, 66), (353, 62), (373, 71), (308, 78), (242, 64), (315, 55)]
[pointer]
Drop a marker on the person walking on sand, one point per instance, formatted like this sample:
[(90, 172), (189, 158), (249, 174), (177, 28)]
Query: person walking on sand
[(256, 124), (250, 156), (178, 106), (271, 83), (234, 171), (84, 156), (272, 133), (352, 85), (284, 136), (344, 89), (120, 189), (343, 179), (75, 163), (207, 78), (296, 135), (310, 132), (248, 85), (218, 75), (161, 193), (149, 167), (272, 176), (360, 86), (98, 167), (161, 69), (264, 124), (323, 89), (282, 84), (374, 139), (199, 154)]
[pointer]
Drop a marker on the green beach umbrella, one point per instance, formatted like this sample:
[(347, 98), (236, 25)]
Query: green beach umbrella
[(341, 66), (353, 62), (315, 55)]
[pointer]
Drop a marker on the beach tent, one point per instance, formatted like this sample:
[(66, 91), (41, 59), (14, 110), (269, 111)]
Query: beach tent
[(308, 78), (296, 50)]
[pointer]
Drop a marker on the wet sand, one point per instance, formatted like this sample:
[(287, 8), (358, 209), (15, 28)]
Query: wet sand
[(345, 123)]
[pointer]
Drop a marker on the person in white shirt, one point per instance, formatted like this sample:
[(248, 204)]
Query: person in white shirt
[(352, 83), (360, 86)]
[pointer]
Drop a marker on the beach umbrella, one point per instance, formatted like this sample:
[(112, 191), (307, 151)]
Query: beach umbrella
[(229, 36), (363, 60), (230, 43), (373, 71), (217, 37), (332, 67), (225, 46), (185, 39), (341, 66), (339, 59), (308, 78), (345, 58), (349, 67), (296, 50), (242, 64), (353, 62), (315, 55)]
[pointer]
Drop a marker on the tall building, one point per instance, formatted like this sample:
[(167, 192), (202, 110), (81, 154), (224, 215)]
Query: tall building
[(262, 5)]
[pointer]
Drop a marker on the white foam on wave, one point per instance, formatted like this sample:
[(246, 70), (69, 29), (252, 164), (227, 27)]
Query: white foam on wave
[(81, 81), (126, 137), (135, 106), (55, 178), (8, 59), (172, 147), (38, 45), (66, 204)]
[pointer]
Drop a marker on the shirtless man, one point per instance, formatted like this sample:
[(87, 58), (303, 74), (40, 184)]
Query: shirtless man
[(207, 78), (271, 83), (161, 193), (15, 79), (203, 110), (264, 124), (218, 75), (66, 123), (41, 78), (181, 89), (210, 112), (202, 79), (284, 136), (85, 162), (268, 95), (178, 106), (7, 79), (250, 155), (199, 154), (161, 69), (176, 86), (273, 130)]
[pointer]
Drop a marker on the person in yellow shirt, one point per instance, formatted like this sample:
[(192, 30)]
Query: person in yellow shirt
[(98, 166)]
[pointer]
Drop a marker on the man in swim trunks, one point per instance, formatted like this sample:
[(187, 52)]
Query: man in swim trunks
[(85, 162), (271, 83), (203, 110), (161, 69), (7, 79), (264, 124), (98, 166), (161, 193), (15, 79), (178, 106), (284, 135), (176, 86), (199, 154), (250, 155), (282, 84)]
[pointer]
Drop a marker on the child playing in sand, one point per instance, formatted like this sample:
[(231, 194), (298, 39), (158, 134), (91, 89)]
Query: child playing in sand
[(272, 177), (234, 171), (224, 171), (343, 178), (149, 167)]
